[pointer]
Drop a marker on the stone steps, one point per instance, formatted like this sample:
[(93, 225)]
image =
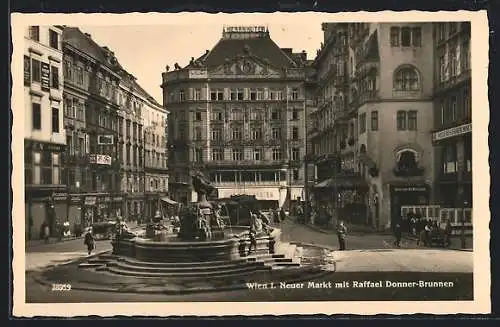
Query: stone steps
[(185, 270), (189, 274), (189, 265)]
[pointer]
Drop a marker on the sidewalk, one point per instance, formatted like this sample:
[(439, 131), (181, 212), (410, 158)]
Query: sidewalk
[(351, 228)]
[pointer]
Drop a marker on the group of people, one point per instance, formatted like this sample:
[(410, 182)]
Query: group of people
[(425, 229)]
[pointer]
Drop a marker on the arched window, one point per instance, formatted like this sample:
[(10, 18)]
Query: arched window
[(406, 79)]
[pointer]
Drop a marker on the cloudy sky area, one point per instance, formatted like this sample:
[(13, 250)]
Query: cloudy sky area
[(144, 51)]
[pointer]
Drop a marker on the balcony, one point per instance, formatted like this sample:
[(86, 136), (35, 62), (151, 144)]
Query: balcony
[(245, 163)]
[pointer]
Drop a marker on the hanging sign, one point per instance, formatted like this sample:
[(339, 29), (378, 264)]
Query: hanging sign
[(45, 76)]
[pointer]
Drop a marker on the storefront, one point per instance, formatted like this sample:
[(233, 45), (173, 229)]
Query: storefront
[(75, 209), (267, 197), (89, 210), (407, 195)]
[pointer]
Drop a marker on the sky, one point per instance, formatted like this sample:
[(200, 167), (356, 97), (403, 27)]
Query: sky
[(145, 50)]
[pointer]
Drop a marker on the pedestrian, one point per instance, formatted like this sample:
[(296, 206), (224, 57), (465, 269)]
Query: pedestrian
[(252, 234), (447, 233), (341, 235), (89, 241), (282, 214), (46, 232), (397, 234)]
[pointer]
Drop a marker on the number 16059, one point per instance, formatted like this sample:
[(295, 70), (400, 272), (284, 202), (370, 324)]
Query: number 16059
[(61, 287)]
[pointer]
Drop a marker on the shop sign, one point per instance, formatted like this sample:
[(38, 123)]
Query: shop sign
[(451, 132), (259, 193), (60, 196), (90, 200), (100, 159), (45, 76), (117, 199), (27, 71), (107, 199), (74, 199), (410, 189)]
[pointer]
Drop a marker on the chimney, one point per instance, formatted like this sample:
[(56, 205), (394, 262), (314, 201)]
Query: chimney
[(88, 35)]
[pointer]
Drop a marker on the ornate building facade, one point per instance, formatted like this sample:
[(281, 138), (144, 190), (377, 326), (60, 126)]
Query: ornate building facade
[(238, 115), (44, 134), (452, 135), (154, 118), (381, 118)]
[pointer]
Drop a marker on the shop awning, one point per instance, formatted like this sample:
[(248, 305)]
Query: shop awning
[(168, 200), (343, 182)]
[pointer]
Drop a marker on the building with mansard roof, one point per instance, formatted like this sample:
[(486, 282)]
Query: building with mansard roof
[(238, 116)]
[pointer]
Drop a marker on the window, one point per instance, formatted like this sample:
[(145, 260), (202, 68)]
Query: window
[(198, 155), (239, 93), (216, 95), (260, 94), (276, 154), (374, 121), (417, 36), (56, 171), (275, 115), (197, 94), (54, 74), (253, 94), (452, 28), (217, 154), (362, 123), (182, 96), (217, 116), (233, 95), (441, 31), (36, 114), (295, 174), (257, 154), (453, 59), (198, 116), (37, 171), (395, 36), (236, 133), (197, 133), (256, 133), (216, 134), (467, 105), (295, 133), (406, 79), (295, 154), (295, 94), (442, 68), (53, 39), (237, 154), (401, 120), (412, 120), (464, 53), (34, 33), (405, 36), (450, 158), (46, 163), (276, 133), (295, 115), (55, 120), (36, 74)]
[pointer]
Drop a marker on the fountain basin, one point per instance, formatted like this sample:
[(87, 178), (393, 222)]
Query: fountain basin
[(175, 250)]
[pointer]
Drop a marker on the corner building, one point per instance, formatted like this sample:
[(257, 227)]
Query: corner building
[(380, 111), (237, 115)]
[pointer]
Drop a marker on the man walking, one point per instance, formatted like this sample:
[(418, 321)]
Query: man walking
[(89, 241), (397, 235), (341, 235)]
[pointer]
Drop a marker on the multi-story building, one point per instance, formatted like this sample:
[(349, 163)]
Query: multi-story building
[(452, 115), (131, 99), (44, 134), (237, 115), (154, 117), (91, 80), (383, 137)]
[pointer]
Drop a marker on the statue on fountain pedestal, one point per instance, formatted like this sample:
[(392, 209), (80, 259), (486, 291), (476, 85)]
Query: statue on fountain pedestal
[(199, 221)]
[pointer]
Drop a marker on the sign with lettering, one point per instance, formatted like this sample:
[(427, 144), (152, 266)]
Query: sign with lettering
[(100, 159), (198, 73), (59, 196), (74, 199), (246, 29), (27, 71), (451, 132), (117, 199), (90, 200), (105, 139), (45, 76), (259, 193), (410, 189)]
